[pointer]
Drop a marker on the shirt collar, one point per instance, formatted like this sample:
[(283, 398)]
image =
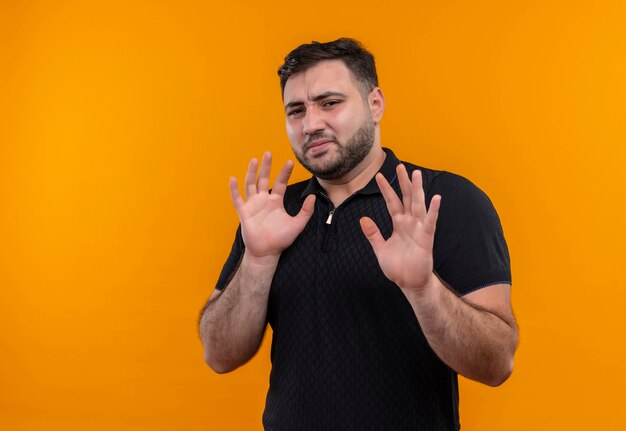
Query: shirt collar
[(388, 169)]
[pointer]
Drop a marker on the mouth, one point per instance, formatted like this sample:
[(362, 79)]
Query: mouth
[(319, 145)]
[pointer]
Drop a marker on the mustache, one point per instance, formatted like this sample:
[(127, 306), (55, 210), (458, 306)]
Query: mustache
[(316, 136)]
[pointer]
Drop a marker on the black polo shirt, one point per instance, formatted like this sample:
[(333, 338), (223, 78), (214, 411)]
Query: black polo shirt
[(347, 351)]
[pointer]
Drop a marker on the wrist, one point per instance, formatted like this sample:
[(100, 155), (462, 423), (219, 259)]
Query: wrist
[(426, 292), (260, 262)]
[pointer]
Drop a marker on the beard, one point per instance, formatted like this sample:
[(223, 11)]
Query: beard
[(349, 155)]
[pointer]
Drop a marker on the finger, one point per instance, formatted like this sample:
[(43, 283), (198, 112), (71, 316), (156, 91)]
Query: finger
[(418, 207), (283, 177), (430, 223), (306, 211), (235, 195), (405, 186), (250, 186), (394, 206), (372, 233), (263, 182)]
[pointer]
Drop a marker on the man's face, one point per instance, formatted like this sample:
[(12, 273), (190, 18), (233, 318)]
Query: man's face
[(329, 123)]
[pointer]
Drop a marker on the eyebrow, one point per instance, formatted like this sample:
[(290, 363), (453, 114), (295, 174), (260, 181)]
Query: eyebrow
[(315, 99)]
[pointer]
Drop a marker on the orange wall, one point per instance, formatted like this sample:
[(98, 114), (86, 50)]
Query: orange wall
[(121, 122)]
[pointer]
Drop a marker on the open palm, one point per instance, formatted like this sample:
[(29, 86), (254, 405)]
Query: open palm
[(266, 227), (406, 258)]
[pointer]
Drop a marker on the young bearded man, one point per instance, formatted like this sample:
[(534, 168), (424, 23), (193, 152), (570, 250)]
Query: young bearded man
[(373, 310)]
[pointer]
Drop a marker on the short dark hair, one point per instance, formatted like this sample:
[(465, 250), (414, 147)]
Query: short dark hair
[(356, 58)]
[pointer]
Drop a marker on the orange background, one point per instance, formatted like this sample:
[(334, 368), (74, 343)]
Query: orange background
[(121, 121)]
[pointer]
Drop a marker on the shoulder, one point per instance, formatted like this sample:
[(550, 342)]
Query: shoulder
[(469, 250), (458, 190), (429, 176), (463, 203), (448, 185)]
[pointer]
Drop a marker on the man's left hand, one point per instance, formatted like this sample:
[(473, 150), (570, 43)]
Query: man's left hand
[(406, 258)]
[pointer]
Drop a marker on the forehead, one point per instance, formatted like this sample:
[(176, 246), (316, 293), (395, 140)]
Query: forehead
[(325, 76)]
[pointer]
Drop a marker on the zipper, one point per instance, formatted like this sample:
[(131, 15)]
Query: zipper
[(329, 235), (329, 220)]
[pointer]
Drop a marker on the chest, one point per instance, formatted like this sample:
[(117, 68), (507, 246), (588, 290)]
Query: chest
[(330, 272)]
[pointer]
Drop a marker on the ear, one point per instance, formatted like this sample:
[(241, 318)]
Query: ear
[(376, 102)]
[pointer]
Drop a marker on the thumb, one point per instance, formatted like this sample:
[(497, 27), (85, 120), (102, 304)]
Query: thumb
[(372, 233), (307, 209)]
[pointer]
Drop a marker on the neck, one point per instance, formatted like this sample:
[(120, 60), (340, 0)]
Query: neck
[(341, 189)]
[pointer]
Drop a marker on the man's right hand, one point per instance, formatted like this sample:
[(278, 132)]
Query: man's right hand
[(266, 227)]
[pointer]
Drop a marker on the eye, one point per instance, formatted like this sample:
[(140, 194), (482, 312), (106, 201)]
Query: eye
[(330, 103), (296, 112)]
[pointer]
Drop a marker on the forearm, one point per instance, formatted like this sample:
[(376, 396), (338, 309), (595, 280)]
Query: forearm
[(475, 342), (233, 321)]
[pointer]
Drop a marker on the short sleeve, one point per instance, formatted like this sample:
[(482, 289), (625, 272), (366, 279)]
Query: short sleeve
[(470, 251), (233, 261)]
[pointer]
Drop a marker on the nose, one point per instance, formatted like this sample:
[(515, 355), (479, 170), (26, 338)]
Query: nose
[(312, 121)]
